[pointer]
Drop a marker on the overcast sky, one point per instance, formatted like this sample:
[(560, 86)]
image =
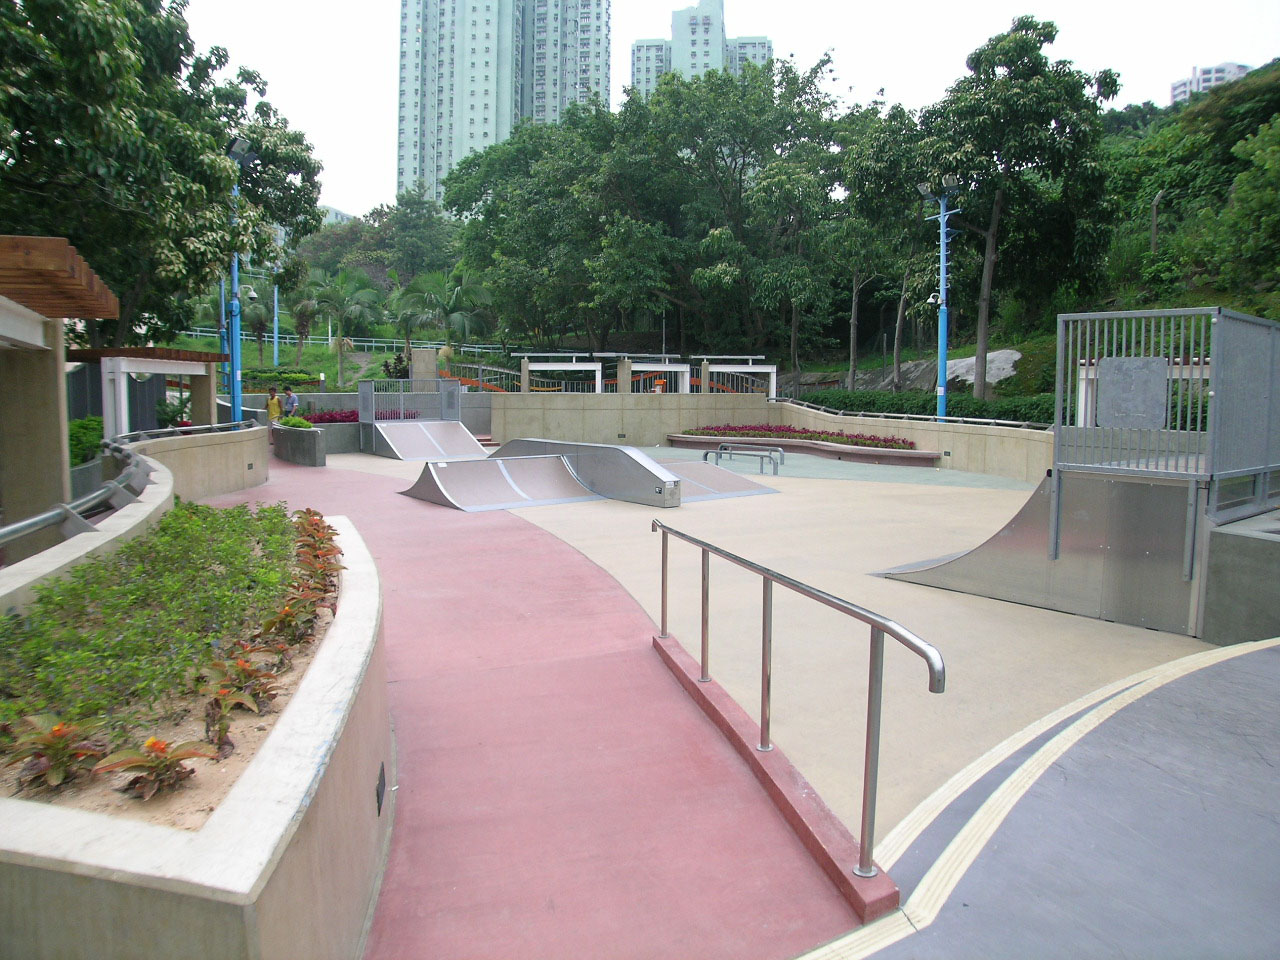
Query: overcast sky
[(331, 66)]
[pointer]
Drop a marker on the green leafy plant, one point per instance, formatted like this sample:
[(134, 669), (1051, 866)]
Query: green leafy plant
[(397, 368), (85, 439), (160, 764), (54, 751), (296, 422), (173, 413), (240, 675), (217, 717)]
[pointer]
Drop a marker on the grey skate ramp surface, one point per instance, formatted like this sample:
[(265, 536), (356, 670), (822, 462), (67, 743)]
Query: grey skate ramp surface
[(476, 485), (430, 440), (706, 481)]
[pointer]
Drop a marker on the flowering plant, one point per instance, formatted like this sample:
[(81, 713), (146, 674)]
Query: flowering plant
[(54, 751), (775, 432), (160, 764)]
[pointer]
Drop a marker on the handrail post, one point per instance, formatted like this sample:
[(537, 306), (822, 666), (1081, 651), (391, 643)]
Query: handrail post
[(706, 617), (664, 585), (766, 665), (871, 768)]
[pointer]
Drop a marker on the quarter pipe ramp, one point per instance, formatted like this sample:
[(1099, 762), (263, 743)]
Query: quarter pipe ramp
[(476, 485)]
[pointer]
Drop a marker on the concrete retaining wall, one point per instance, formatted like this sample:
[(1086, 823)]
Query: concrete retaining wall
[(287, 866), (300, 445), (1014, 452), (209, 464), (636, 419), (19, 580)]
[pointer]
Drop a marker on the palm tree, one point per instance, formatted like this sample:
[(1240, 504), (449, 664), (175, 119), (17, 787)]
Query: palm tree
[(454, 303), (349, 297), (255, 317), (306, 308)]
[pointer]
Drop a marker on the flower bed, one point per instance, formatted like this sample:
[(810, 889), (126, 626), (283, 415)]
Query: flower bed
[(772, 432), (332, 416)]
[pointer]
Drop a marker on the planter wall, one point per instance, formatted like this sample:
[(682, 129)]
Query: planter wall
[(341, 437), (287, 866), (299, 445), (209, 464)]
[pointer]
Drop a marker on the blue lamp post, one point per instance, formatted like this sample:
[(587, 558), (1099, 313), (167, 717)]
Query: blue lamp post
[(949, 189), (239, 152)]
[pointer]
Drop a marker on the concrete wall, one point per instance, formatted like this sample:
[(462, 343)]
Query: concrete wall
[(287, 866), (636, 419), (1020, 454), (205, 465), (19, 580), (1241, 602), (299, 445)]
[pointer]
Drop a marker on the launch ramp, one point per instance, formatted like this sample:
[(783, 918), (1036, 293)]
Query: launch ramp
[(426, 440), (706, 481), (490, 484)]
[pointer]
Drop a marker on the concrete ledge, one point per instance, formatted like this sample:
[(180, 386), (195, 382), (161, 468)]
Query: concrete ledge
[(821, 831), (821, 448), (19, 580), (287, 866), (301, 445), (209, 464), (341, 437)]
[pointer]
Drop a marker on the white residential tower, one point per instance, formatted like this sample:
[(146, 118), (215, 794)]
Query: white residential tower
[(697, 44)]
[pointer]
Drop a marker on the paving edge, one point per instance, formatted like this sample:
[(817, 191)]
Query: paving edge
[(821, 832)]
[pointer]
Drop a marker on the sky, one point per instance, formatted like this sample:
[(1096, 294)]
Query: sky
[(331, 66)]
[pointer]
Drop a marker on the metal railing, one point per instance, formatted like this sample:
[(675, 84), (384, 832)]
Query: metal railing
[(483, 376), (161, 432), (919, 417), (775, 455), (880, 626), (113, 494), (382, 400), (366, 344)]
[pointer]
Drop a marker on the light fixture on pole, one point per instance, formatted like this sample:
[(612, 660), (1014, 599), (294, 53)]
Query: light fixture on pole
[(240, 153), (950, 187)]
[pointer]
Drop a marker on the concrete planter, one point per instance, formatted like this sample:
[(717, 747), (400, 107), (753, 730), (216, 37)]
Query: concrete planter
[(821, 448), (287, 866), (305, 447), (341, 437)]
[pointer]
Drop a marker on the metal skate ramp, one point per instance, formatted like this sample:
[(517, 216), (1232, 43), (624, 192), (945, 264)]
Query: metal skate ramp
[(706, 481), (613, 472), (1123, 555), (506, 484), (426, 440)]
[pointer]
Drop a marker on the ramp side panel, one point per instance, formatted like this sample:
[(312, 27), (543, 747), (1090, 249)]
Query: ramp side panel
[(427, 487), (473, 484), (616, 472)]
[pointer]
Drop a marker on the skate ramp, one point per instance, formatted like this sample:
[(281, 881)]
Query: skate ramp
[(706, 481), (613, 472), (1122, 555), (426, 440), (490, 484)]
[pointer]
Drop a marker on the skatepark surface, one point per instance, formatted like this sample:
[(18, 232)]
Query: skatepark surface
[(518, 643)]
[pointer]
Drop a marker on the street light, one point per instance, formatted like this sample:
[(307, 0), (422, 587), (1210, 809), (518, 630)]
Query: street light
[(950, 187), (240, 153)]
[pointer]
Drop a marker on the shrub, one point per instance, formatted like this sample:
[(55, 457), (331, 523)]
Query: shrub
[(773, 432), (333, 416), (85, 439), (299, 423), (1033, 409)]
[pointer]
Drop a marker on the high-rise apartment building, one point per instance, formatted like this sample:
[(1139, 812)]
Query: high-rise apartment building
[(471, 69), (697, 44), (1206, 78)]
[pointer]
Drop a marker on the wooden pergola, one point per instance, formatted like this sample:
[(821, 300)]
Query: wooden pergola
[(43, 278)]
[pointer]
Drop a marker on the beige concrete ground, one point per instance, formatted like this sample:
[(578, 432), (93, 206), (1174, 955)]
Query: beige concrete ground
[(1007, 665)]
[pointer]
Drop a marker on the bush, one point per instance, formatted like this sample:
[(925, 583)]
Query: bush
[(1033, 409), (279, 377), (296, 422), (333, 416), (85, 439)]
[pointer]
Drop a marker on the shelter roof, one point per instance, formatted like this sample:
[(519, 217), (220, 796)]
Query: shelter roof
[(45, 274)]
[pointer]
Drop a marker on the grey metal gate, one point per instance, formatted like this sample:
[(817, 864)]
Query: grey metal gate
[(388, 400)]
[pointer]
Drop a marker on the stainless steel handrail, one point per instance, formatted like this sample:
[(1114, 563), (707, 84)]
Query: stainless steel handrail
[(879, 627), (133, 478), (162, 433), (920, 417)]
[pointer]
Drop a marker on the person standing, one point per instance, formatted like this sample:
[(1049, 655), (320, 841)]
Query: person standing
[(274, 407), (290, 402)]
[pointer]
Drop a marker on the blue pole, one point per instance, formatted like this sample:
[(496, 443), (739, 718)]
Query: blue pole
[(275, 335), (222, 333), (234, 333), (942, 309)]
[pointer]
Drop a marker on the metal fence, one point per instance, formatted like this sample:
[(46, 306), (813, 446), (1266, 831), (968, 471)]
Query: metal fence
[(365, 344), (390, 400), (1185, 394), (731, 382), (481, 376)]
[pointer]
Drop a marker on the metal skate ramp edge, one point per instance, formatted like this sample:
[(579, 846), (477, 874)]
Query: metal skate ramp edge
[(507, 484), (613, 472)]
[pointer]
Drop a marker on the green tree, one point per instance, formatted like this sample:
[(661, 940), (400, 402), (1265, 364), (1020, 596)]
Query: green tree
[(348, 298), (1024, 133), (113, 133)]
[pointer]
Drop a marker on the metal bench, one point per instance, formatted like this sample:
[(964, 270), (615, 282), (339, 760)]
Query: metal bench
[(773, 455)]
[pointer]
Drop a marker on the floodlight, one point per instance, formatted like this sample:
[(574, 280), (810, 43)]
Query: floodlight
[(924, 189), (239, 149), (950, 181)]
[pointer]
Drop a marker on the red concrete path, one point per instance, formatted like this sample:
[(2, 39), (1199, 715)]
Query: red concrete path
[(559, 795)]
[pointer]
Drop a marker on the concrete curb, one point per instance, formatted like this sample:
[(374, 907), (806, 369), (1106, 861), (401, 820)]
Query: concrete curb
[(287, 865), (821, 448), (821, 831)]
